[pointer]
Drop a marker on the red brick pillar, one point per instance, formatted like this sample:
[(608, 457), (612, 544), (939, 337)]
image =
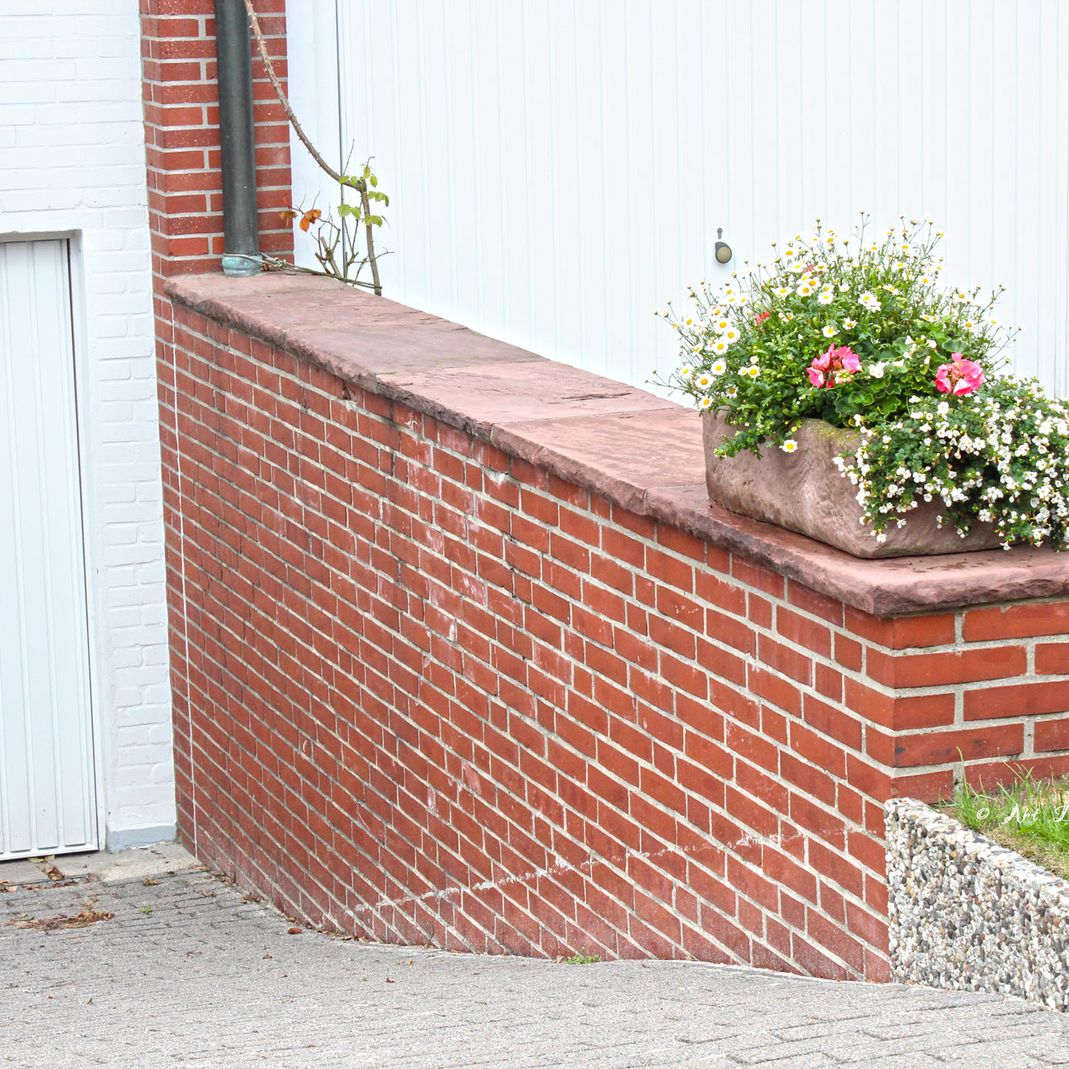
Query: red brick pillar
[(185, 216), (185, 195)]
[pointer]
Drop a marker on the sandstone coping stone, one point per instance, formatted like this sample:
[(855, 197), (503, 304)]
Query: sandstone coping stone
[(636, 449)]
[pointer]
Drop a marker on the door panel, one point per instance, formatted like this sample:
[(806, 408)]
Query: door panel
[(46, 753)]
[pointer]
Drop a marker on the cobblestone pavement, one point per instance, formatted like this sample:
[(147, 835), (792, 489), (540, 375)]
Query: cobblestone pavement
[(186, 972)]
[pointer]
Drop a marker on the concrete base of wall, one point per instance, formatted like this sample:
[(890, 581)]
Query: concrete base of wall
[(128, 838), (970, 915)]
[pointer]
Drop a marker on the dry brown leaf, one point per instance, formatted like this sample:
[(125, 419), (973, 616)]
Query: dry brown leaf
[(82, 919)]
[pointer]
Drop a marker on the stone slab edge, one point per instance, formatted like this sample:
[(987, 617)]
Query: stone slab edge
[(968, 914), (883, 588)]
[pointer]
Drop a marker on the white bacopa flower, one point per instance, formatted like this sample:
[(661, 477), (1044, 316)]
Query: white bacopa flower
[(789, 446), (830, 331)]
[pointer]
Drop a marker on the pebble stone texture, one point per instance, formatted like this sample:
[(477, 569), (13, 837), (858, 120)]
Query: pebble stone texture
[(970, 915), (189, 972)]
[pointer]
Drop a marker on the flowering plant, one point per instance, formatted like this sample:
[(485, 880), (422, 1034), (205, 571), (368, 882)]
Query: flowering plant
[(860, 333)]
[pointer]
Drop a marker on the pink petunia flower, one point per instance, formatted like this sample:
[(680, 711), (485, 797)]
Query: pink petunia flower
[(959, 378), (828, 368)]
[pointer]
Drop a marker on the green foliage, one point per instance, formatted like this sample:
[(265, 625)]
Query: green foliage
[(581, 959), (1000, 456), (859, 333), (343, 239), (746, 349), (1029, 816)]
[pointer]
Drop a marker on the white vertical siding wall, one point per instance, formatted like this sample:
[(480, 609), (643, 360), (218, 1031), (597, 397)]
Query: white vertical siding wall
[(559, 167)]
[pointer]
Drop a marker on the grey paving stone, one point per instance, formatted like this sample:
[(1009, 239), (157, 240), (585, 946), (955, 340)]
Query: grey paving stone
[(187, 973)]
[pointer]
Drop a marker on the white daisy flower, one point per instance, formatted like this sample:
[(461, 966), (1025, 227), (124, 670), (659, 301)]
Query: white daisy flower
[(825, 297), (789, 445), (705, 402), (720, 346), (720, 325), (704, 381), (849, 323), (753, 371), (719, 367), (830, 331), (804, 290)]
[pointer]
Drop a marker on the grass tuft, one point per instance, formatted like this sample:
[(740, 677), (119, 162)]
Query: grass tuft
[(581, 959), (1030, 816)]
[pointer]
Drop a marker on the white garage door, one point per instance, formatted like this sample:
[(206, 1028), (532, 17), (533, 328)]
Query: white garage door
[(46, 745)]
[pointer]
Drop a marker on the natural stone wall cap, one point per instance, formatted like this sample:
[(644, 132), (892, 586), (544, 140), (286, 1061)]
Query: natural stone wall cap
[(632, 447)]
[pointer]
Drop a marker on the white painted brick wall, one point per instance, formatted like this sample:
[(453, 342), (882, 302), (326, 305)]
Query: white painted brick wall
[(72, 160)]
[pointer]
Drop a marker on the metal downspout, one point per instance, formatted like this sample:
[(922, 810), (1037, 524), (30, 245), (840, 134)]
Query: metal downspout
[(241, 236)]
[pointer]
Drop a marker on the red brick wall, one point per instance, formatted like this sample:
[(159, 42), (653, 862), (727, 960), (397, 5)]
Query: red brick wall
[(427, 693), (182, 135)]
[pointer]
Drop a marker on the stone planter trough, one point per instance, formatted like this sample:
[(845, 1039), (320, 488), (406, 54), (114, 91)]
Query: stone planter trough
[(804, 492)]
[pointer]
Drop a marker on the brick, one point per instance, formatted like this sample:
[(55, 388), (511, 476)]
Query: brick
[(1052, 735), (1021, 699), (1052, 658), (902, 632), (803, 631), (968, 744), (816, 604), (937, 669), (1000, 622)]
